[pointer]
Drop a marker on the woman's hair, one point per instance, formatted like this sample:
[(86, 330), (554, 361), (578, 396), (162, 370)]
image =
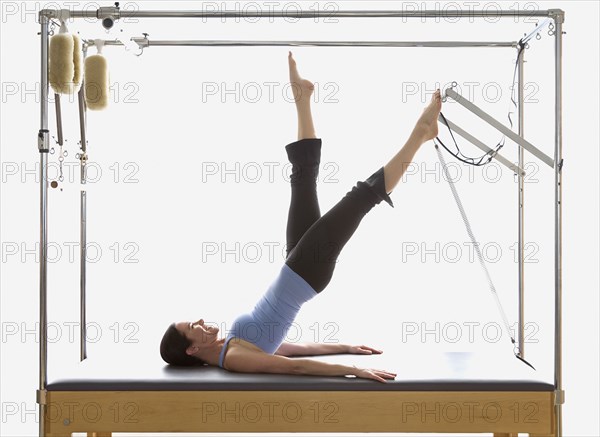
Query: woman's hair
[(173, 347)]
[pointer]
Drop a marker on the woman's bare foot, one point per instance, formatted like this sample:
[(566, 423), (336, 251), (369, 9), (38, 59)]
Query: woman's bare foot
[(427, 125), (302, 88)]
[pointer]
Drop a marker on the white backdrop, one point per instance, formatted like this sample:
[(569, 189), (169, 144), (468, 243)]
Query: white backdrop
[(188, 190)]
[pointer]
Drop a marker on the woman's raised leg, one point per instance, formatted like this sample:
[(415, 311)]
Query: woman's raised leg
[(303, 90), (305, 157), (426, 129), (315, 255)]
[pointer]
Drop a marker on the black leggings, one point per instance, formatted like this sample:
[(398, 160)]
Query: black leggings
[(314, 242)]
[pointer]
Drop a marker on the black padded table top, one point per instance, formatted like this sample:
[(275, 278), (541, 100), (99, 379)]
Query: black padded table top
[(446, 371)]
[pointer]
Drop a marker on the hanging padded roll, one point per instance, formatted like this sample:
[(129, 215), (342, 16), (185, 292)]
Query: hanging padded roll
[(96, 80), (65, 62)]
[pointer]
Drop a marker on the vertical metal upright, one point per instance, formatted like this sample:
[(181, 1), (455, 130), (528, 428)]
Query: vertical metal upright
[(83, 219), (43, 148), (558, 16), (521, 212)]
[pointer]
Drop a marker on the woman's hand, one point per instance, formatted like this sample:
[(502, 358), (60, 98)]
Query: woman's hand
[(377, 375), (363, 350)]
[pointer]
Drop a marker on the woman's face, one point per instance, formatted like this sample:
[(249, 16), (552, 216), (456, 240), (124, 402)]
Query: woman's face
[(198, 333)]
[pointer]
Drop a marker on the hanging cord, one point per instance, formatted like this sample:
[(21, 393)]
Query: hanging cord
[(512, 89), (488, 156), (481, 161), (479, 255)]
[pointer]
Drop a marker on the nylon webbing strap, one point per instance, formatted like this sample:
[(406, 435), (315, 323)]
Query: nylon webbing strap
[(475, 244)]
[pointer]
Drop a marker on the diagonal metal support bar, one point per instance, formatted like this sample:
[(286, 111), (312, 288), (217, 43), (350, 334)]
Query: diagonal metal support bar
[(499, 126), (470, 138)]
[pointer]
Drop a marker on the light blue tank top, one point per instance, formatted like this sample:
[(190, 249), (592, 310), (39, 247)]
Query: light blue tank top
[(268, 323)]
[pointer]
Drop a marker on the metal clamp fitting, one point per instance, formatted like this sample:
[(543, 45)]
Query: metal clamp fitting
[(108, 15), (59, 14), (557, 14), (109, 12), (44, 140), (559, 397), (63, 14), (40, 396)]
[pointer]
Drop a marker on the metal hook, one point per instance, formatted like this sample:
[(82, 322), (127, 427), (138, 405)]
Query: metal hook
[(453, 84), (140, 53)]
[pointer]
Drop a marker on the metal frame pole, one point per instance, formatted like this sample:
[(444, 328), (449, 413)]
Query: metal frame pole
[(521, 212), (43, 146), (83, 220), (145, 42), (558, 32), (82, 282), (117, 13)]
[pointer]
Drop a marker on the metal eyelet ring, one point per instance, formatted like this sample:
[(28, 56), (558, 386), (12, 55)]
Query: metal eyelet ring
[(454, 84), (78, 155), (51, 150), (65, 153), (538, 36)]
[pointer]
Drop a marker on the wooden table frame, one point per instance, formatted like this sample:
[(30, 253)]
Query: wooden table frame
[(100, 413)]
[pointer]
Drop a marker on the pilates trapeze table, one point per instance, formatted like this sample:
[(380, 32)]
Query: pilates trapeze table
[(452, 392)]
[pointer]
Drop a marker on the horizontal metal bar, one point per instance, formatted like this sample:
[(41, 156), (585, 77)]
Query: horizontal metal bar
[(267, 13), (333, 43), (495, 123), (467, 136), (144, 42)]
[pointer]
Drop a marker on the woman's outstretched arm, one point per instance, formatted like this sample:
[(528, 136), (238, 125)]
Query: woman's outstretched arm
[(313, 349), (250, 361)]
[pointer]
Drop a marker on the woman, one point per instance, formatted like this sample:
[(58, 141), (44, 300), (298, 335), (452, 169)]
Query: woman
[(255, 342)]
